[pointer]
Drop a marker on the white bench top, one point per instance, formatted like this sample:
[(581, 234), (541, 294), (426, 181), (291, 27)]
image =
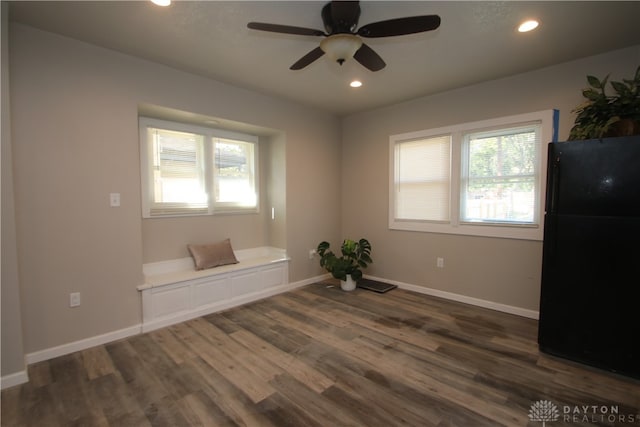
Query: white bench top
[(168, 272)]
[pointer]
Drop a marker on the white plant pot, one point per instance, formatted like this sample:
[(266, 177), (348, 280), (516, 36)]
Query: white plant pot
[(349, 284)]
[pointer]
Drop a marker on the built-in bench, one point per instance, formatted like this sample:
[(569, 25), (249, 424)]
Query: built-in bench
[(174, 291)]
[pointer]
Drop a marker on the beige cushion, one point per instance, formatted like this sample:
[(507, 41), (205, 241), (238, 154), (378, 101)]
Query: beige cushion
[(212, 255)]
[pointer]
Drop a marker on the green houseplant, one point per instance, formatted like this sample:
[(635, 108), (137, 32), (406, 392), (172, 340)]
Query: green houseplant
[(354, 256), (603, 115)]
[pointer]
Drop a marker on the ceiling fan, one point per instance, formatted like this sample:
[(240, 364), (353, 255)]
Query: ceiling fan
[(343, 39)]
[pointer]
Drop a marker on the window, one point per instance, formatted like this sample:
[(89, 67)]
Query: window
[(499, 176), (483, 178), (234, 173), (189, 170), (423, 179), (178, 172)]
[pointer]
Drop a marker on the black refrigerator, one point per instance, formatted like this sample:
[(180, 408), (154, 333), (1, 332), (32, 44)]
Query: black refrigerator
[(590, 293)]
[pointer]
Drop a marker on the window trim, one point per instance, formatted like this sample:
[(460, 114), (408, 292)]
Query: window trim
[(549, 125), (231, 207), (537, 126), (146, 170)]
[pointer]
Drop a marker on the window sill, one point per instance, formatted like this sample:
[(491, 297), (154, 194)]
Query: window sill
[(214, 213), (502, 231)]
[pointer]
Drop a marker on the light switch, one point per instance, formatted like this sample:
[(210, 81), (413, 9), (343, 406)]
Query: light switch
[(114, 200), (74, 299)]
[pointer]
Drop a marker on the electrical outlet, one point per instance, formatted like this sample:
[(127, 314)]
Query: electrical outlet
[(114, 200), (312, 253), (74, 299), (440, 262)]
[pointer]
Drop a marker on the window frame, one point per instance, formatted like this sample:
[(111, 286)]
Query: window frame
[(220, 206), (548, 120), (209, 135), (465, 172)]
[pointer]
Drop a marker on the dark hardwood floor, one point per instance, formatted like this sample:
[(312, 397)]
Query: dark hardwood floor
[(318, 356)]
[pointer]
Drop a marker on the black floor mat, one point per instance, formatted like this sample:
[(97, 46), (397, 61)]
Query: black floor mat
[(375, 286)]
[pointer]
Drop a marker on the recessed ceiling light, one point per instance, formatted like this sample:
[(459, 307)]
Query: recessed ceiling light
[(161, 2), (355, 83), (529, 25)]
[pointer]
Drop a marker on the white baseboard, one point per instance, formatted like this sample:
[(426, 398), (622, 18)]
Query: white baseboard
[(61, 350), (311, 280), (518, 311), (15, 379), (71, 347)]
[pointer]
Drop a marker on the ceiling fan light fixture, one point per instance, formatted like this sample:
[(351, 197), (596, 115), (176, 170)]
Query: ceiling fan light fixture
[(355, 83), (340, 47)]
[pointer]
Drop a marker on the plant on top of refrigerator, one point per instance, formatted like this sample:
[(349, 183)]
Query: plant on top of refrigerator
[(603, 115)]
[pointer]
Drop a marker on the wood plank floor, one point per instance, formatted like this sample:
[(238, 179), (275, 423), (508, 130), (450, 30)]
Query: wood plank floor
[(318, 356)]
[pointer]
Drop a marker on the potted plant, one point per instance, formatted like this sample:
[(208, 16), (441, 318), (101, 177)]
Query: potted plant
[(603, 115), (347, 267)]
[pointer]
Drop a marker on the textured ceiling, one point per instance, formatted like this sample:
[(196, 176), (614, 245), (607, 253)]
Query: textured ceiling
[(476, 42)]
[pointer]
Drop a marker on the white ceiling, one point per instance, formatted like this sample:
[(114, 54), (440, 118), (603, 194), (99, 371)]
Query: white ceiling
[(476, 42)]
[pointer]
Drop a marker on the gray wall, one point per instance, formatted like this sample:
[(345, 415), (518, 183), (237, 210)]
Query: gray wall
[(75, 140), (499, 270), (12, 345)]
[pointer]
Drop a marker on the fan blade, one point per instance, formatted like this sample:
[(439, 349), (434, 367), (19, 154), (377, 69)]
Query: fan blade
[(369, 58), (307, 59), (286, 29), (400, 26)]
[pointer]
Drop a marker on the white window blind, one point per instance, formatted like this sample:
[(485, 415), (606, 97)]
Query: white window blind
[(178, 172), (234, 171), (423, 171), (193, 170), (500, 175), (484, 178)]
